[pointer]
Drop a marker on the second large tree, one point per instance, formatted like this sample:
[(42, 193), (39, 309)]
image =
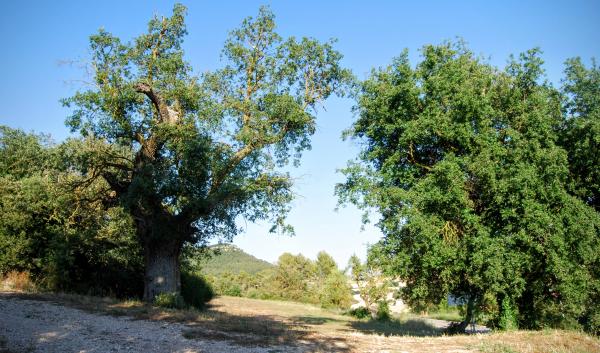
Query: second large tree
[(465, 164)]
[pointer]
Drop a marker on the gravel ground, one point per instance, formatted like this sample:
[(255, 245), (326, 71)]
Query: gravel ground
[(36, 326)]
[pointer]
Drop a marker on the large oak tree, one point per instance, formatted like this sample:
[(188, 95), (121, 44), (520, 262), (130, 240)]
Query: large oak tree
[(188, 155)]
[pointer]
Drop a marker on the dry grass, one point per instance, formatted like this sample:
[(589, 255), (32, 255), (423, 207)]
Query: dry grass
[(557, 341), (17, 281), (251, 322)]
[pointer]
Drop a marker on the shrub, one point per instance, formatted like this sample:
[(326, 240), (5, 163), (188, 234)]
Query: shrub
[(262, 293), (360, 313), (592, 322), (335, 291), (233, 290), (170, 300), (195, 290), (383, 311), (227, 284), (508, 316)]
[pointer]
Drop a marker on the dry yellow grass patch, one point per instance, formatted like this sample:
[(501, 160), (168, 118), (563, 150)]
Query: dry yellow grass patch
[(539, 342), (17, 281)]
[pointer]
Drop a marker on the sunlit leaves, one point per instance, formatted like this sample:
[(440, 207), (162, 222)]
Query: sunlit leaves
[(203, 150)]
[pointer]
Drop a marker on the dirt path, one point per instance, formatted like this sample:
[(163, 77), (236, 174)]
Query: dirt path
[(38, 326)]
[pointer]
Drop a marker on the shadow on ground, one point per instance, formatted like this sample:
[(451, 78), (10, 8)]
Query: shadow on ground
[(264, 331), (393, 327), (409, 327), (314, 320)]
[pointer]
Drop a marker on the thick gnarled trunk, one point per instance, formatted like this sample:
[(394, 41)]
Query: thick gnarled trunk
[(162, 273), (162, 239)]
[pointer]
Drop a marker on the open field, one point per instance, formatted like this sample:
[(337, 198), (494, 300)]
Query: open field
[(274, 326)]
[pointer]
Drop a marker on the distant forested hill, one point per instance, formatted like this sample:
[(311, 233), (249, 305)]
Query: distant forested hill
[(230, 258)]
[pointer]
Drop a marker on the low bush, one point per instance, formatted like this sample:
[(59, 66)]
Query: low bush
[(383, 311), (360, 313), (508, 316), (170, 301), (195, 290), (256, 293), (233, 291), (592, 322)]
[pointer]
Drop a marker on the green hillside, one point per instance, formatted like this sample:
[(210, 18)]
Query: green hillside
[(229, 258)]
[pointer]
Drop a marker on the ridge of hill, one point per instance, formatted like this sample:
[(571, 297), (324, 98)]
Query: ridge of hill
[(229, 258)]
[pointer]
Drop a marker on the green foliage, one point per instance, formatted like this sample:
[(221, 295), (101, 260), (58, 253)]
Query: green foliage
[(580, 137), (220, 259), (360, 313), (325, 265), (383, 311), (230, 286), (508, 316), (23, 154), (581, 129), (484, 180), (300, 279), (294, 278), (47, 229), (195, 290), (170, 301), (335, 290), (373, 286), (592, 321), (243, 284)]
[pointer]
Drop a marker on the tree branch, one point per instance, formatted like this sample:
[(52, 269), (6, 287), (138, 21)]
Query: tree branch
[(165, 113), (411, 158), (218, 180)]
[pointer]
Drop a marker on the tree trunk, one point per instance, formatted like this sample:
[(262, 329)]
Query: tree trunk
[(162, 269), (469, 315), (162, 236)]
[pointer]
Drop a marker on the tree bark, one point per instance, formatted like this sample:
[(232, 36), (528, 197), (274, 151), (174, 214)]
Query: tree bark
[(162, 273), (162, 239), (469, 315)]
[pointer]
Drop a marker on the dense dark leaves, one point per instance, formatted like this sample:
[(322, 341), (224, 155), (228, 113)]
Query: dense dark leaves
[(482, 182), (581, 135), (66, 237)]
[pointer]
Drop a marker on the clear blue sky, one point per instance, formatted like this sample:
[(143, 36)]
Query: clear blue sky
[(37, 35)]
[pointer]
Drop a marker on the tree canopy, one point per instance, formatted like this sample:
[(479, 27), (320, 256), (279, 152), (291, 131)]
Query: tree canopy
[(483, 179)]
